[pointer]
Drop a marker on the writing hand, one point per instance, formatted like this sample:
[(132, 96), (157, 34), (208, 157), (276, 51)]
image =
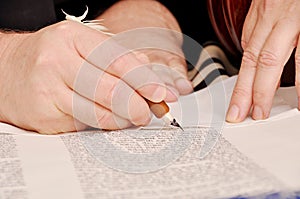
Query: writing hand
[(38, 77)]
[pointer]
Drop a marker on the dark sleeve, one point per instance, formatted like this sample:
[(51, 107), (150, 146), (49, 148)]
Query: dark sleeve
[(77, 7), (30, 15), (192, 16), (26, 15)]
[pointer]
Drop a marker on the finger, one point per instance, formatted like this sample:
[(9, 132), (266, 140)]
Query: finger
[(121, 62), (164, 72), (241, 99), (142, 79), (272, 58), (297, 65), (179, 73), (171, 68), (249, 24), (110, 92), (142, 57), (89, 113)]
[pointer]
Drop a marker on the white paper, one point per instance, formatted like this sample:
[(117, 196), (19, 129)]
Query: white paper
[(65, 167), (274, 146), (252, 158), (208, 106)]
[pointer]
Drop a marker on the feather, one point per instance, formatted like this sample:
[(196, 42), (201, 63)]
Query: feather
[(95, 24)]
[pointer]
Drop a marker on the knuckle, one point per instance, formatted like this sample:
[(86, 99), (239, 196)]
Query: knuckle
[(142, 57), (297, 59), (64, 27), (241, 93), (267, 59), (265, 5), (288, 21), (115, 90), (108, 121), (259, 96), (104, 120), (244, 43), (57, 31), (122, 64), (297, 83), (249, 58), (45, 59), (268, 4), (45, 56)]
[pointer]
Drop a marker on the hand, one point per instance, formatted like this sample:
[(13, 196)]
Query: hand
[(270, 33), (172, 70), (171, 67), (39, 72)]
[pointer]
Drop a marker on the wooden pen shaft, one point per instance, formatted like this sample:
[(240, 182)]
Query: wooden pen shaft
[(159, 109)]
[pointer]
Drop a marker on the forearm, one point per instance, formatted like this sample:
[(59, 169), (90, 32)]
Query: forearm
[(5, 39)]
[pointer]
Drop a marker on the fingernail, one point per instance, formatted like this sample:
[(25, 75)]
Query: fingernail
[(257, 113), (142, 57), (172, 94), (159, 94), (184, 86), (233, 113)]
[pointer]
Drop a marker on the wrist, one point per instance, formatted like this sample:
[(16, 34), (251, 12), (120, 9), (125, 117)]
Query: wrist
[(9, 42), (6, 38), (4, 43)]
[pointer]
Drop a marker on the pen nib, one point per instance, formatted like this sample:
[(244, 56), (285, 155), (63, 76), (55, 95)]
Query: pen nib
[(175, 123)]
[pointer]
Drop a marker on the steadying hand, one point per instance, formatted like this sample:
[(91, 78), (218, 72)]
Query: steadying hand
[(270, 33)]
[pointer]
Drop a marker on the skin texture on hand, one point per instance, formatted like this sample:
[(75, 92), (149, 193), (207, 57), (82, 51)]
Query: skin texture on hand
[(38, 75), (171, 67), (41, 70), (270, 34)]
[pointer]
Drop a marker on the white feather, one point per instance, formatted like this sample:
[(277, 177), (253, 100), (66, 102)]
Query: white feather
[(95, 24)]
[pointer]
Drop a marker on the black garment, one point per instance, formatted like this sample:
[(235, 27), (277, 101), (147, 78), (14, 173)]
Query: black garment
[(193, 18), (35, 14), (26, 15), (30, 15)]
